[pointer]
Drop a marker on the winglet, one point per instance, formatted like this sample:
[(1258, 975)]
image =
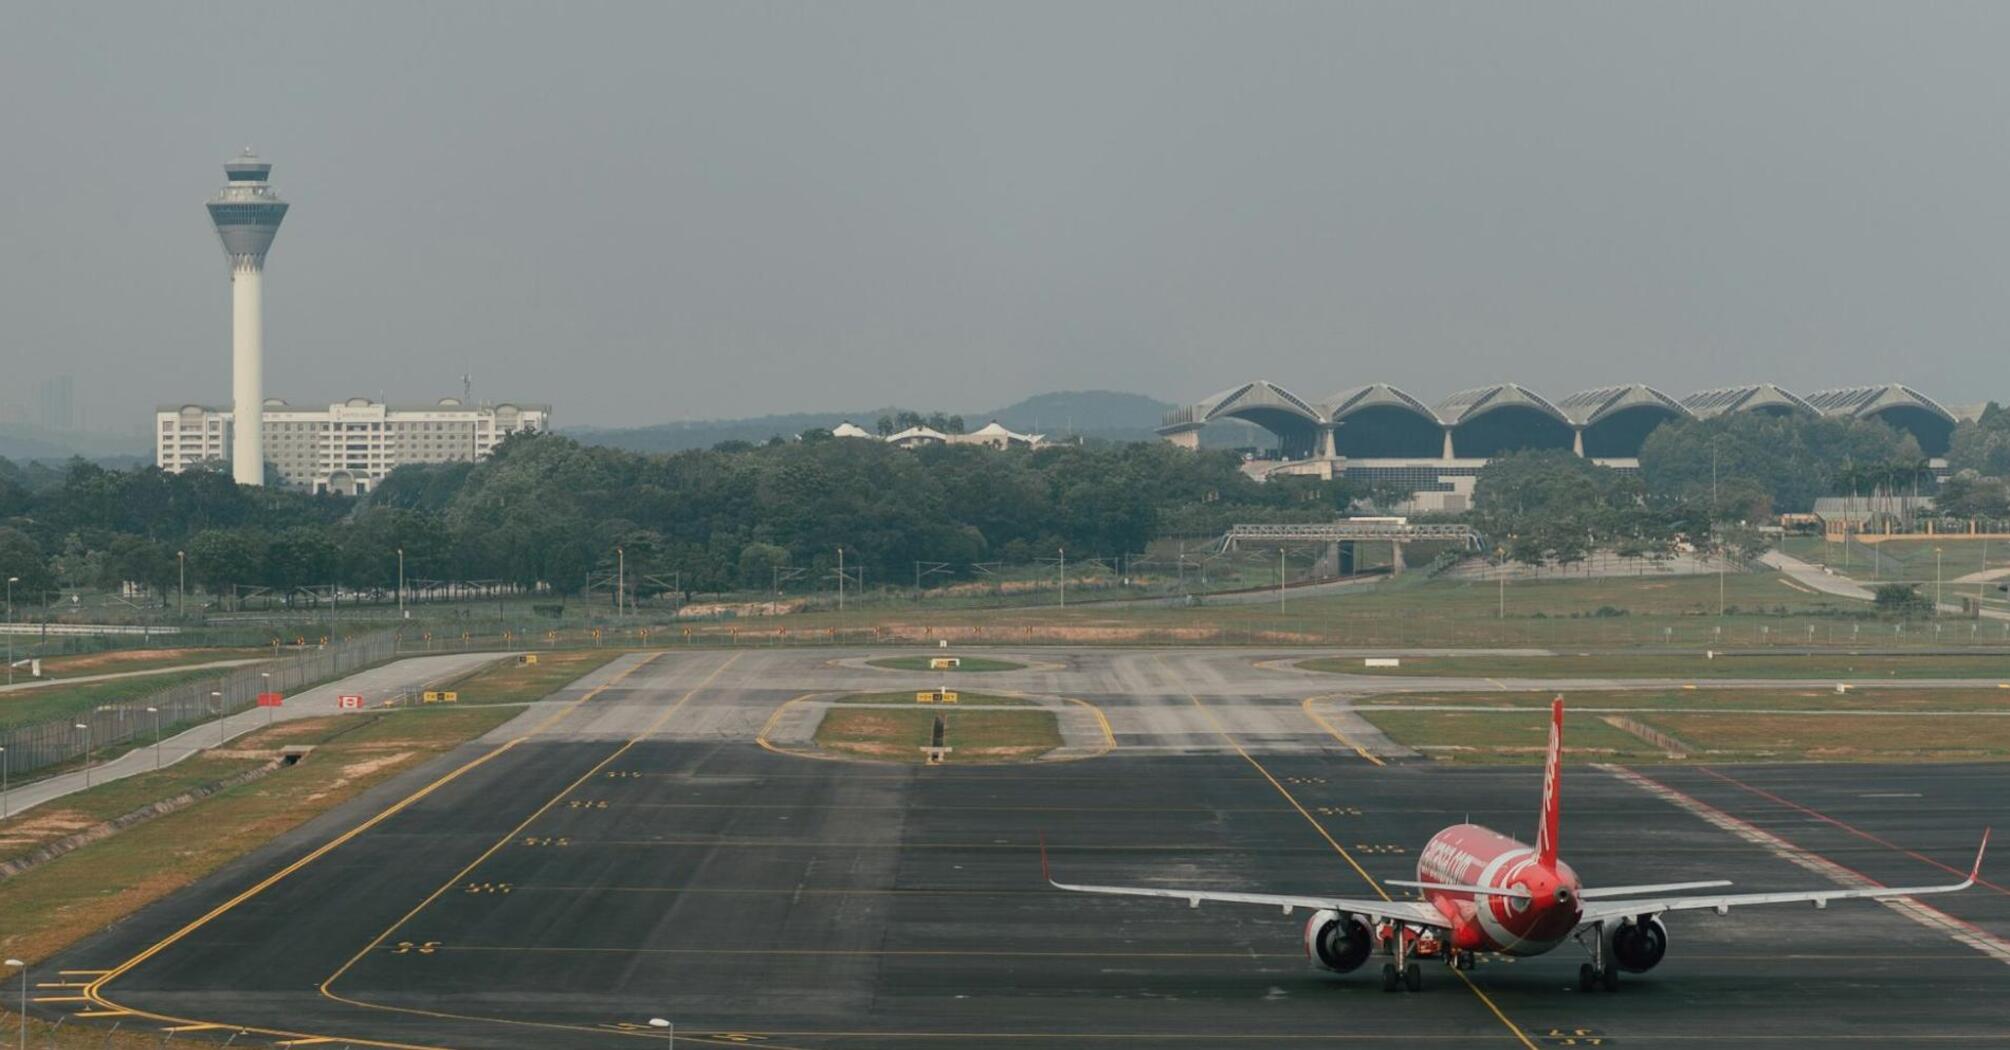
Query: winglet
[(1976, 872)]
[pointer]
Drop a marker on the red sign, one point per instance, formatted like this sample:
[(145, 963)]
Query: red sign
[(350, 700), (270, 700)]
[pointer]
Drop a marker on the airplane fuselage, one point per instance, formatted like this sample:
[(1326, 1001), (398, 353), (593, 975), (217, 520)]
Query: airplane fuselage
[(1472, 855)]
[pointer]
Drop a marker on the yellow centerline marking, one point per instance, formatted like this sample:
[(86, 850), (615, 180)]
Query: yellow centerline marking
[(459, 876), (1313, 714), (95, 992), (1337, 848)]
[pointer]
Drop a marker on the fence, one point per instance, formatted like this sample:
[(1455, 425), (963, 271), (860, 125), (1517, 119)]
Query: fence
[(53, 743)]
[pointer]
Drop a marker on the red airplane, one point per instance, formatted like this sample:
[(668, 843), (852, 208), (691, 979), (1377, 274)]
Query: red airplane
[(1486, 892)]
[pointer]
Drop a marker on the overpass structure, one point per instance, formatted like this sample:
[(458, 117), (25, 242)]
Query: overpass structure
[(1381, 433), (1341, 537)]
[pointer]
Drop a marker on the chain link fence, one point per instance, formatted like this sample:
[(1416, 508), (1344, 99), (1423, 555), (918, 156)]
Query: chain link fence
[(54, 743)]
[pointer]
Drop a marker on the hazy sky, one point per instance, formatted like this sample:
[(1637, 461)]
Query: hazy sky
[(643, 212)]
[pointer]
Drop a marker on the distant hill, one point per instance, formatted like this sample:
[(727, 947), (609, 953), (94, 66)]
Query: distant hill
[(1097, 414), (25, 444)]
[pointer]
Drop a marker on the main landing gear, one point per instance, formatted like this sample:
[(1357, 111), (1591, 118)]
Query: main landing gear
[(1599, 972), (1404, 973)]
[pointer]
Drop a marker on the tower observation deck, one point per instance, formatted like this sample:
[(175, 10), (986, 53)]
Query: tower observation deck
[(247, 212)]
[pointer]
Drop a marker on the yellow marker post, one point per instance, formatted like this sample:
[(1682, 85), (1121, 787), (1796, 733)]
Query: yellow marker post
[(925, 696)]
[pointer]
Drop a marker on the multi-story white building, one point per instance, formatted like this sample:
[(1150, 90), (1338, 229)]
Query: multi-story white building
[(347, 447)]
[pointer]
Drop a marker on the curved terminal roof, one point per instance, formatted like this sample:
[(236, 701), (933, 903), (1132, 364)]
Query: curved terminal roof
[(1259, 395), (1864, 401), (1480, 400), (1375, 395), (1758, 397), (1588, 407)]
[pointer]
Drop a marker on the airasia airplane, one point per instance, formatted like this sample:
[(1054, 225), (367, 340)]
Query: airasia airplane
[(1486, 892)]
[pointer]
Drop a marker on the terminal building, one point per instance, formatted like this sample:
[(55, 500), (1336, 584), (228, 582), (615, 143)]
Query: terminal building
[(1379, 432), (348, 447)]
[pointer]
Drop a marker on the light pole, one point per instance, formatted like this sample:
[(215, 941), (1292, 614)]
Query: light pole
[(23, 967), (1936, 581), (1500, 557), (181, 583), (156, 712), (1063, 552), (3, 783), (620, 582), (840, 581), (401, 583), (669, 1028), (220, 716), (266, 688), (87, 752), (1280, 581), (11, 581)]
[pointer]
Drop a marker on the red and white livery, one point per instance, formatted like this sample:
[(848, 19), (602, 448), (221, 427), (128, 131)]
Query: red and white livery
[(1486, 892)]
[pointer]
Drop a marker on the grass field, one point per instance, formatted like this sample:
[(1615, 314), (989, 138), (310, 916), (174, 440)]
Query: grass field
[(48, 823), (1719, 725), (81, 892), (511, 682), (964, 663), (120, 661), (962, 698), (52, 702), (1685, 665), (974, 737), (1910, 559)]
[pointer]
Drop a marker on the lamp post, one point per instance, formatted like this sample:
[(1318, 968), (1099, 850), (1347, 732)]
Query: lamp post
[(840, 580), (1936, 581), (669, 1029), (620, 582), (11, 581), (87, 752), (1063, 553), (181, 583), (156, 712), (266, 688), (3, 783), (401, 583), (221, 718), (23, 967)]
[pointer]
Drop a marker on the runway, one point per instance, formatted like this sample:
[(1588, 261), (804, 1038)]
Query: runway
[(627, 850)]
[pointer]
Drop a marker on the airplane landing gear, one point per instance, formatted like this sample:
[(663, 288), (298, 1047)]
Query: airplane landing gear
[(1599, 972), (1404, 973)]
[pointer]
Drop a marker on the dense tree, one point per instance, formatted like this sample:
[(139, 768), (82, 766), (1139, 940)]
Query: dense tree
[(21, 556), (1793, 459)]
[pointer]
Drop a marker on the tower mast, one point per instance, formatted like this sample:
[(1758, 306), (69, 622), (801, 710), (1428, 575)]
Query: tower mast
[(247, 213)]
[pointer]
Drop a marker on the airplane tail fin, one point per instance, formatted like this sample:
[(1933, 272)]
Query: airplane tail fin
[(1552, 788)]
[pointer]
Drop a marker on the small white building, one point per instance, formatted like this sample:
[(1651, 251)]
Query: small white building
[(347, 447), (849, 429)]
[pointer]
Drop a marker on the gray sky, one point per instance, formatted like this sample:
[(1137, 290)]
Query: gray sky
[(649, 212)]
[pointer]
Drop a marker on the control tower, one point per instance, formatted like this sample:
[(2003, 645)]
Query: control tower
[(247, 213)]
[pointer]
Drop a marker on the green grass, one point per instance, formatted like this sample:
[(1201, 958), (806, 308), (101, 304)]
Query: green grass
[(512, 682), (52, 702), (82, 892), (964, 663), (962, 698), (47, 823), (1683, 665), (974, 737), (1741, 725), (122, 661)]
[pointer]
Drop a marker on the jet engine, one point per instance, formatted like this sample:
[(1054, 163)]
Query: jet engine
[(1637, 946), (1338, 941)]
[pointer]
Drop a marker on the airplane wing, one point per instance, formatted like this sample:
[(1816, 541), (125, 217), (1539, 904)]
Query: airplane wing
[(1413, 912), (1609, 910)]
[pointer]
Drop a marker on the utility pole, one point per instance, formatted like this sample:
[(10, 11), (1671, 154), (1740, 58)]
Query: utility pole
[(1936, 581), (1063, 552), (620, 582), (401, 583), (1713, 529), (1500, 557), (840, 579), (1280, 581), (181, 587)]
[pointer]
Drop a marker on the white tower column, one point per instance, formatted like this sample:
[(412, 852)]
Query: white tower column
[(247, 213), (247, 370)]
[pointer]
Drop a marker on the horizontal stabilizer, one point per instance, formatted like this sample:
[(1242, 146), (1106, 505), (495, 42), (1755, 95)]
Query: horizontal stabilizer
[(1651, 887), (1513, 893)]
